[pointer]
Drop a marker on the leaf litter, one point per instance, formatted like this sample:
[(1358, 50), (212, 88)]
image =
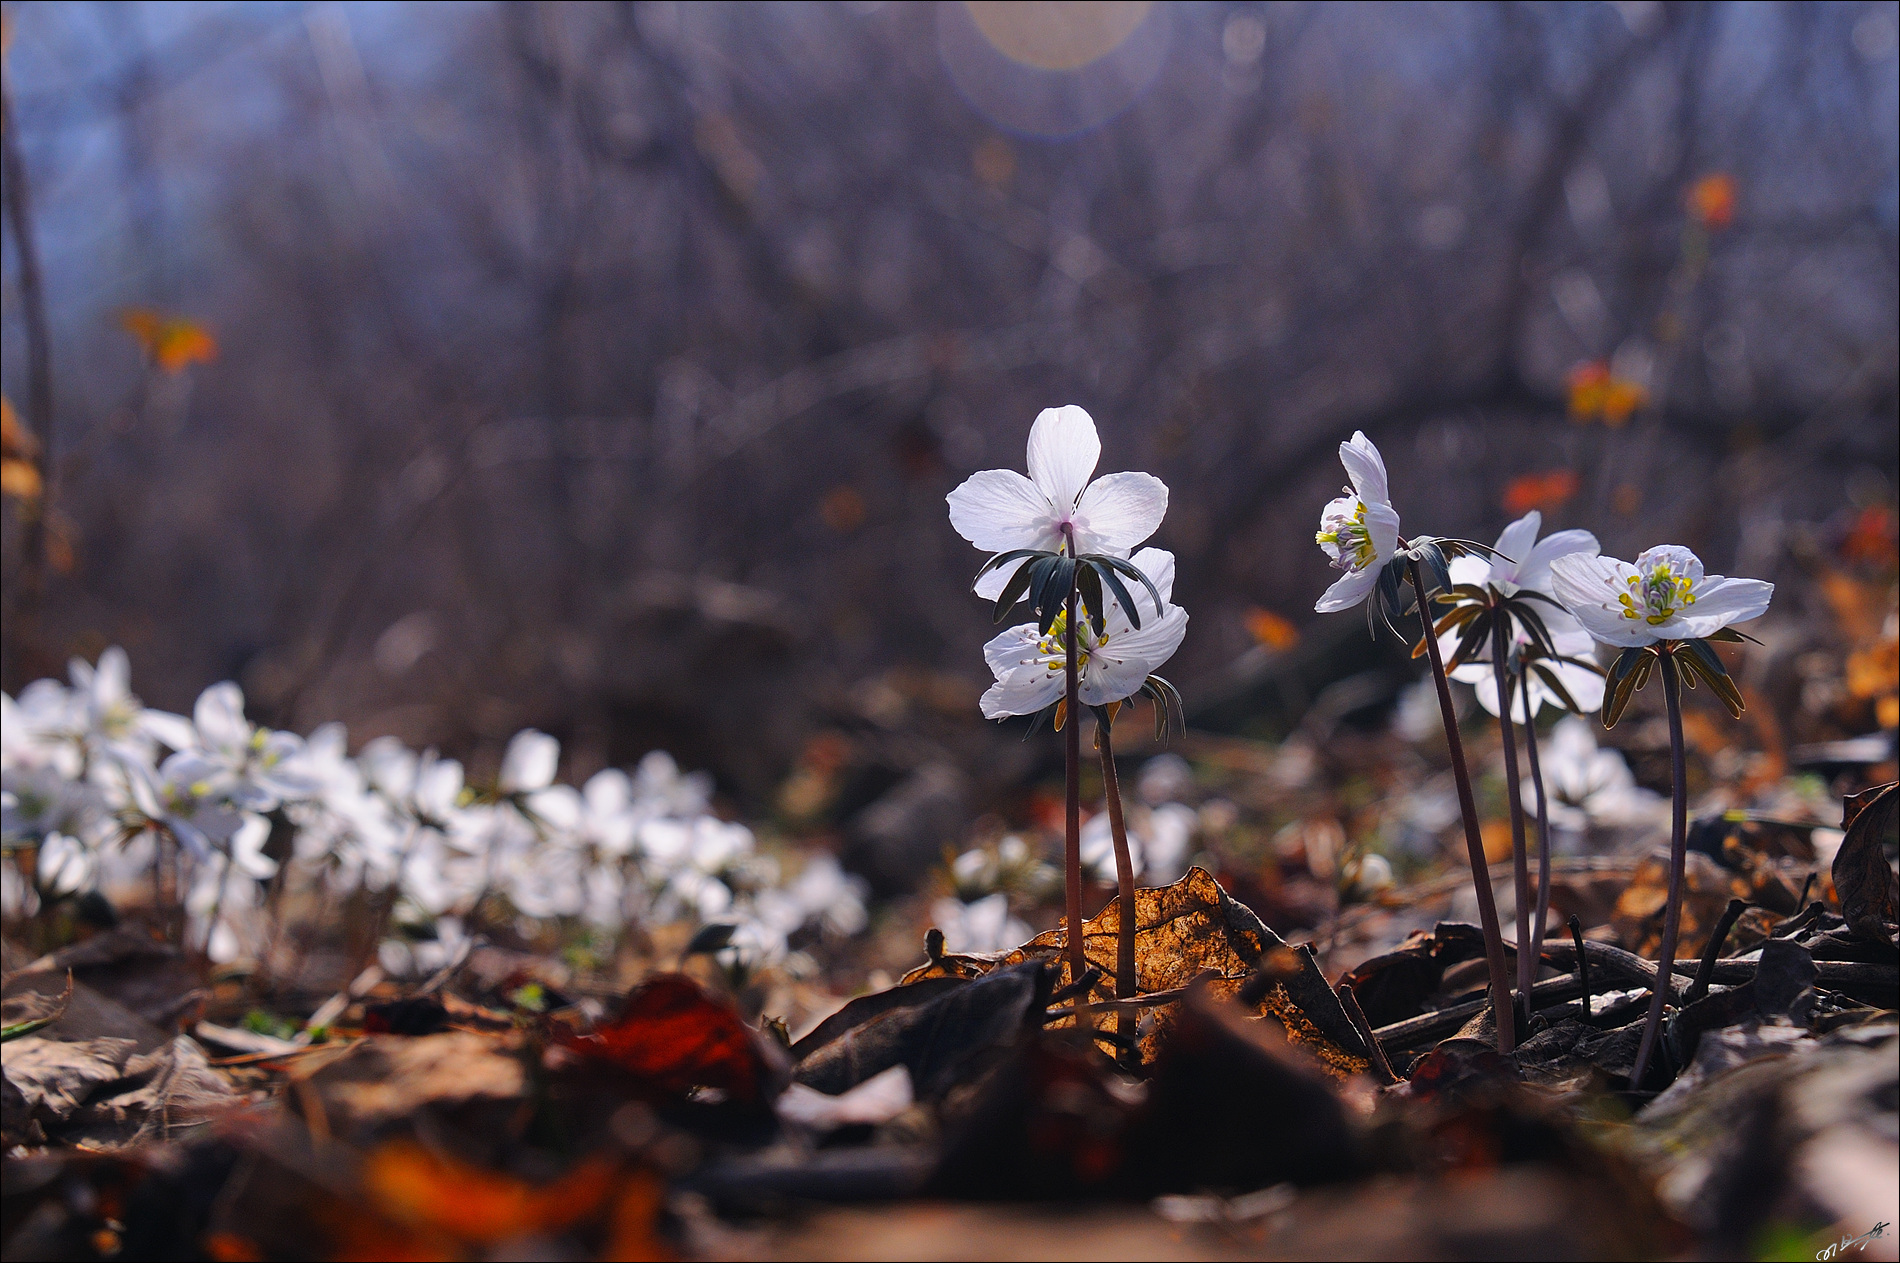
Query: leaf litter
[(1229, 1108)]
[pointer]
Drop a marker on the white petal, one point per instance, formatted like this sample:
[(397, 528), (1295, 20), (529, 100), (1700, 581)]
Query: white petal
[(1382, 525), (1585, 686), (1011, 649), (1117, 670), (1720, 602), (113, 680), (1366, 468), (1024, 691), (1486, 687), (1515, 543), (1589, 587), (1534, 571), (1118, 511), (1347, 591), (219, 716), (990, 584), (530, 761), (1466, 568), (999, 509), (1063, 451), (1158, 565)]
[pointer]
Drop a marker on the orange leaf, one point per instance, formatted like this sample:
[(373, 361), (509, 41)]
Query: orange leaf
[(173, 343), (1549, 490), (1271, 629), (426, 1190), (677, 1037)]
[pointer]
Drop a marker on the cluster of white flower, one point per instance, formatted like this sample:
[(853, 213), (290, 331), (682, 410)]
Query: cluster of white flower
[(93, 781)]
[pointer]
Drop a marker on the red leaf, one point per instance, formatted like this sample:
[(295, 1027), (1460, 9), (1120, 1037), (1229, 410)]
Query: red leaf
[(677, 1037)]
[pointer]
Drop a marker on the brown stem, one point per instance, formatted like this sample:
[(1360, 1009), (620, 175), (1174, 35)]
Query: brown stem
[(1072, 766), (1678, 860), (1474, 839), (1710, 954), (1520, 850), (1125, 982), (1543, 822)]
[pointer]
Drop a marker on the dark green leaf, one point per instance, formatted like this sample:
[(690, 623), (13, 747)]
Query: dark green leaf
[(1120, 589), (1003, 559), (1130, 569), (1089, 581), (1533, 624), (1471, 642), (1013, 591)]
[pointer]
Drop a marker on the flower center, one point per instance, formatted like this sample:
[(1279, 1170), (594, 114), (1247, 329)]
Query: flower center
[(1052, 654), (1350, 536), (1662, 594)]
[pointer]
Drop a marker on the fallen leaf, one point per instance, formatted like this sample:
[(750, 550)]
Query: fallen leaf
[(948, 1039), (1865, 881), (1192, 928), (677, 1038), (437, 1193)]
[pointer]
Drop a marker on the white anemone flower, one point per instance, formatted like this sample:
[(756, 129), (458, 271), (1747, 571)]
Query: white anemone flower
[(1032, 669), (982, 926), (530, 762), (1523, 563), (1664, 595), (265, 765), (1360, 529), (1591, 785), (999, 510)]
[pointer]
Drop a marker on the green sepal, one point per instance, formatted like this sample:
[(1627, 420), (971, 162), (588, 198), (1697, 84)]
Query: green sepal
[(1120, 589), (1013, 591), (1702, 660)]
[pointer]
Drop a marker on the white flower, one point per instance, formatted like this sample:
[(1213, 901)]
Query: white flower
[(1663, 596), (1523, 564), (1031, 669), (983, 926), (1588, 785), (67, 865), (530, 762), (1360, 529), (1098, 850), (999, 510)]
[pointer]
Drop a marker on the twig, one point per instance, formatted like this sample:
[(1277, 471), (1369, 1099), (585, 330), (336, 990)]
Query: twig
[(1717, 937), (1583, 963), (1153, 1000), (1357, 1016), (1800, 921)]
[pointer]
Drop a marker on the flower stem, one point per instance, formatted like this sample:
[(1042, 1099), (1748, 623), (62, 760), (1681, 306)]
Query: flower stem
[(1520, 850), (1072, 822), (1125, 982), (1678, 864), (1474, 840), (1543, 824)]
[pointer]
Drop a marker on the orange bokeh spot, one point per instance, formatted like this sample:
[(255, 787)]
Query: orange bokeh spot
[(1271, 629), (170, 342), (1712, 201), (1551, 489)]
